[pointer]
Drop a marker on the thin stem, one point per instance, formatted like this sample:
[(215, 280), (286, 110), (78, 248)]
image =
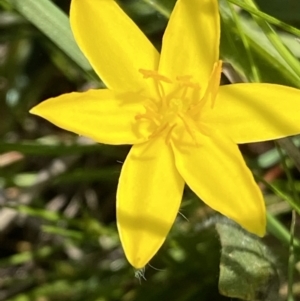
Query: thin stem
[(276, 42), (288, 174), (280, 232), (159, 7), (280, 193), (254, 71), (291, 262), (254, 11), (288, 145)]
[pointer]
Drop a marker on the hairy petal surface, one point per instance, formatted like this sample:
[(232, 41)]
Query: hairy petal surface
[(255, 112), (148, 198), (113, 44), (98, 114), (191, 40), (215, 170)]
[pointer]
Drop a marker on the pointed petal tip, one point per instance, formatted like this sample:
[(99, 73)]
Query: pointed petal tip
[(142, 219), (138, 255), (260, 232), (138, 263), (119, 60), (256, 227), (189, 20), (34, 110), (39, 109)]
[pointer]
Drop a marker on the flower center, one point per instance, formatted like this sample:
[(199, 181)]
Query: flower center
[(171, 104), (177, 102)]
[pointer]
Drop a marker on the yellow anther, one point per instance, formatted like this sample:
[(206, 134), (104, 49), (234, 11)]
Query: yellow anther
[(190, 127), (159, 130), (186, 81), (169, 133), (158, 79), (150, 114), (155, 75), (214, 82), (172, 106)]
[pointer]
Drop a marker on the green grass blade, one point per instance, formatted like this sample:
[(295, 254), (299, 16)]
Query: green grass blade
[(272, 65), (276, 42), (254, 70), (254, 11), (52, 22)]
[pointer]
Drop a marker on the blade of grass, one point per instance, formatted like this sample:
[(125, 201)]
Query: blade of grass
[(254, 11), (50, 20), (279, 231), (254, 71), (291, 260), (32, 148), (276, 41), (164, 11), (291, 149), (273, 67), (280, 193), (271, 157)]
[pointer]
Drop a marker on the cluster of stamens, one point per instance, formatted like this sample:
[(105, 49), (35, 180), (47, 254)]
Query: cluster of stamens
[(167, 108)]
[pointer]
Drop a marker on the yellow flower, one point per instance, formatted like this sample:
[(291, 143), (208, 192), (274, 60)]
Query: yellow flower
[(183, 126)]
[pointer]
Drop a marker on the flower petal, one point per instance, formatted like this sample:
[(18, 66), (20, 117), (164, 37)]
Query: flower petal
[(113, 44), (255, 112), (149, 195), (215, 170), (98, 114), (191, 40)]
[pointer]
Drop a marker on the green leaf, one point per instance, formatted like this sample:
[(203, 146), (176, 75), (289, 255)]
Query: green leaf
[(247, 268)]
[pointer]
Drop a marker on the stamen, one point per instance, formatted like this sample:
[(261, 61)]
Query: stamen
[(168, 136), (155, 75), (150, 114), (214, 82), (196, 109), (186, 81), (204, 129), (172, 95), (196, 94), (160, 90), (179, 106), (158, 79), (159, 130), (184, 91), (189, 126), (211, 90)]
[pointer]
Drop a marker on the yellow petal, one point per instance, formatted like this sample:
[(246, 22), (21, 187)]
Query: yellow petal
[(148, 198), (97, 114), (191, 40), (217, 173), (113, 44), (255, 112)]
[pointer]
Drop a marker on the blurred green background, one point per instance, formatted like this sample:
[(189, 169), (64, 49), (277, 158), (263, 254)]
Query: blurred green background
[(58, 238)]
